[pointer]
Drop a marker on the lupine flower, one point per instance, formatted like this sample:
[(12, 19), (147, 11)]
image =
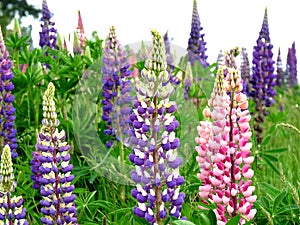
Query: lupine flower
[(7, 117), (11, 208), (280, 81), (224, 150), (154, 142), (170, 60), (291, 67), (245, 72), (48, 33), (263, 78), (52, 169), (17, 28), (77, 48), (196, 44), (80, 31), (116, 90)]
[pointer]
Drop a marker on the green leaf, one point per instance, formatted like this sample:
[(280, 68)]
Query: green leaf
[(270, 157), (204, 219), (278, 200), (266, 140), (275, 150), (234, 221), (183, 222), (270, 163), (268, 188), (212, 217)]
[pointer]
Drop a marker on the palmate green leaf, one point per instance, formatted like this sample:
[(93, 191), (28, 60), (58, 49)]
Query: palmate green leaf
[(234, 221), (275, 150), (270, 157), (279, 199), (185, 222)]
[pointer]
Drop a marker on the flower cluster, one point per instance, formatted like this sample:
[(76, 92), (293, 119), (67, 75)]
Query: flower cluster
[(80, 31), (280, 80), (154, 142), (52, 169), (224, 150), (245, 72), (7, 111), (116, 90), (263, 78), (291, 67), (48, 33), (11, 208), (196, 44)]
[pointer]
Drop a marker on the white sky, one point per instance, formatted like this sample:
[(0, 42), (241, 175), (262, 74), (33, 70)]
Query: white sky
[(226, 23)]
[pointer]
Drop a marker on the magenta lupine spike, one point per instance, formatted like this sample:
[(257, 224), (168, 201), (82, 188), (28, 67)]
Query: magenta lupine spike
[(224, 150), (154, 142), (80, 31), (291, 67), (48, 33), (7, 111), (52, 169), (196, 44)]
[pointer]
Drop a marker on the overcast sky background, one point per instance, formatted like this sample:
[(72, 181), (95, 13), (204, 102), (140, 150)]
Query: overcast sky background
[(226, 23)]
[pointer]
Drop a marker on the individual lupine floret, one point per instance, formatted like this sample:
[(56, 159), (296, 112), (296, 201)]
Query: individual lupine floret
[(291, 68), (53, 175), (48, 33), (263, 78), (196, 44), (245, 72), (154, 142), (116, 90), (224, 150), (11, 208), (7, 111), (280, 80)]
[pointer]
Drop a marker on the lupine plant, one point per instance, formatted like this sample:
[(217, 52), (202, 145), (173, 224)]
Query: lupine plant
[(7, 117), (116, 90), (51, 168), (224, 151), (291, 68), (11, 208), (245, 71), (263, 78), (196, 44), (48, 33), (154, 142), (281, 79)]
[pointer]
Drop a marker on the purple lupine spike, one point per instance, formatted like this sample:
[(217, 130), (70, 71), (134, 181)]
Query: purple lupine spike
[(7, 111), (280, 81), (48, 33), (11, 208), (52, 169), (263, 78), (154, 142), (245, 72), (291, 67), (116, 90), (196, 44), (170, 60)]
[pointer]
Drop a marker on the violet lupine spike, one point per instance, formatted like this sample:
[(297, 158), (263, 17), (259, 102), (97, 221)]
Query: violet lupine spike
[(280, 81), (170, 60), (116, 90), (54, 171), (11, 208), (263, 78), (7, 111), (196, 44), (48, 33), (292, 79), (224, 151), (154, 142), (245, 72)]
